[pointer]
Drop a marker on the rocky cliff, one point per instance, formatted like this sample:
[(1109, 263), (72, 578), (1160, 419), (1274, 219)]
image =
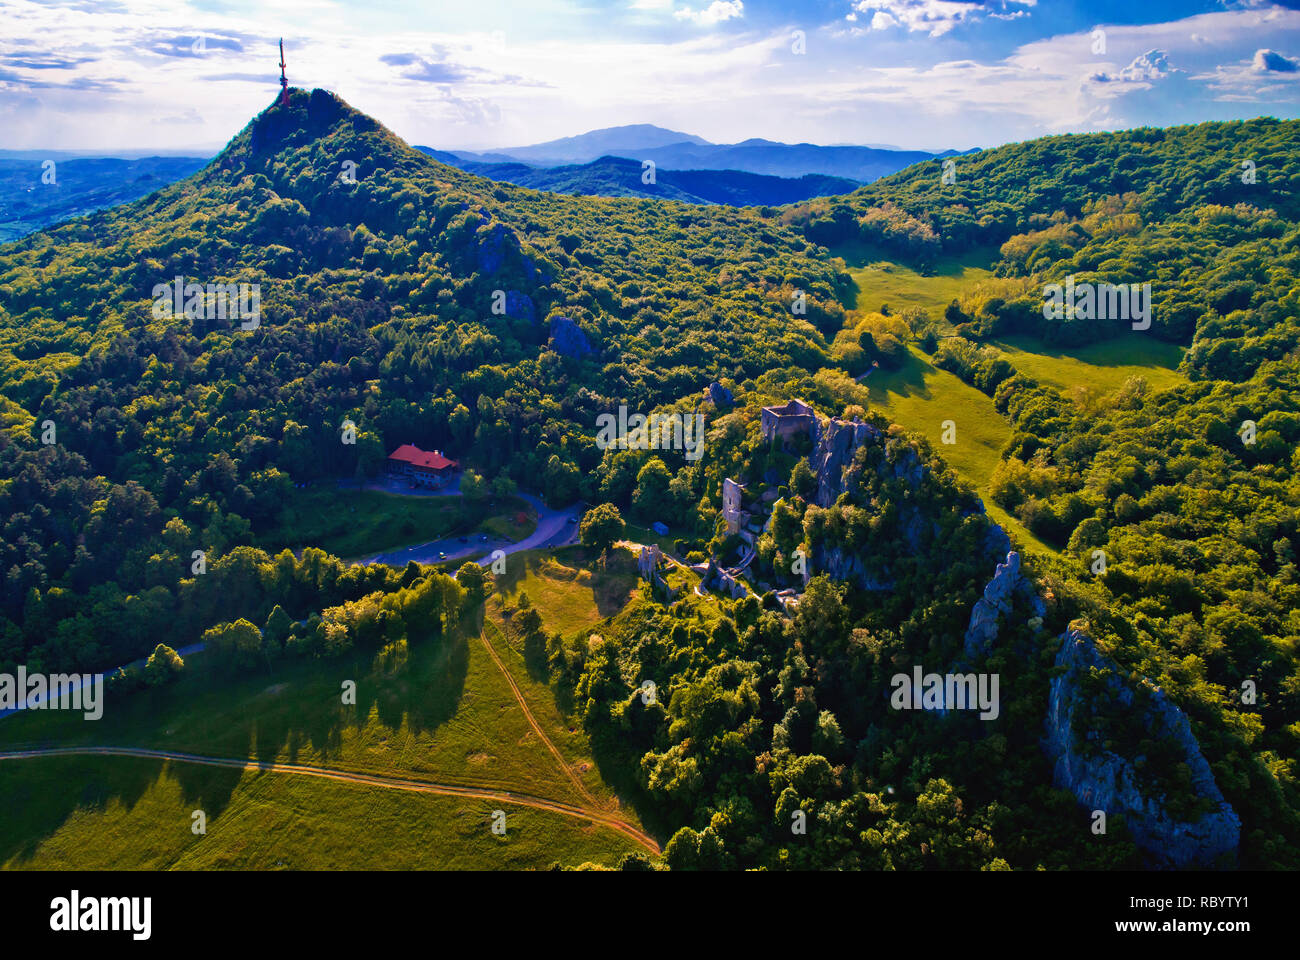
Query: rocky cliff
[(519, 306), (1103, 780), (1009, 583), (832, 459), (1099, 779), (833, 463), (568, 339)]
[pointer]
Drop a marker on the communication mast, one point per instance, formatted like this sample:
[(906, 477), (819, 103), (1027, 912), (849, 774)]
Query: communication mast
[(284, 83)]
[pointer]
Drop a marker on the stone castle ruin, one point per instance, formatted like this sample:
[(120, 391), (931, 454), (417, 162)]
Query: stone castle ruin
[(1098, 777), (793, 419), (732, 509), (650, 565)]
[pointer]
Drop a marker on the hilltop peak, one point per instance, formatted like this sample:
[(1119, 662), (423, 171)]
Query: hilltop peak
[(310, 116)]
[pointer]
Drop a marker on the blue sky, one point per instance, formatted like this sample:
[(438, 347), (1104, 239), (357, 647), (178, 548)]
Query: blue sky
[(165, 75)]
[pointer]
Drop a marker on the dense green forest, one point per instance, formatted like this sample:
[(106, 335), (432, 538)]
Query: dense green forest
[(375, 307), (381, 304)]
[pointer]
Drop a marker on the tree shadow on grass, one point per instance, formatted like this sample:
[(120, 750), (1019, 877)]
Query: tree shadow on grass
[(613, 584), (907, 381), (427, 694), (619, 768), (294, 709), (40, 796)]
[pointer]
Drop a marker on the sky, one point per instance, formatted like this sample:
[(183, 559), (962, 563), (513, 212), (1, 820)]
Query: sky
[(185, 77)]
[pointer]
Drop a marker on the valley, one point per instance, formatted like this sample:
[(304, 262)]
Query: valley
[(934, 503)]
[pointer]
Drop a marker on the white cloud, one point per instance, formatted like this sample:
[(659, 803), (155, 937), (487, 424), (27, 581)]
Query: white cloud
[(1265, 77), (1268, 61), (1150, 66), (716, 12), (935, 17), (117, 66)]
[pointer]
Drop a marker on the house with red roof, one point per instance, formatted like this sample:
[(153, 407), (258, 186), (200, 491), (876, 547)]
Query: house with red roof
[(426, 468)]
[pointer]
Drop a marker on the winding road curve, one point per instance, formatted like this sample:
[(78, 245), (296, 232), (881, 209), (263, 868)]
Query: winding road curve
[(555, 528), (345, 776)]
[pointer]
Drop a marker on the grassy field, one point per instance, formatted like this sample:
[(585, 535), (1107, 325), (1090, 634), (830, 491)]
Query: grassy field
[(639, 534), (1103, 366), (134, 814), (567, 588), (881, 280), (352, 523), (921, 397), (573, 592), (453, 718)]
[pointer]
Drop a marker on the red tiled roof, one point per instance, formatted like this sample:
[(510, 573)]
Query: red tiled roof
[(432, 460)]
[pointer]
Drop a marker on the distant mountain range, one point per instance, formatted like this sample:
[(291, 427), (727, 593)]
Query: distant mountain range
[(621, 177), (593, 144), (80, 185), (607, 162), (672, 150)]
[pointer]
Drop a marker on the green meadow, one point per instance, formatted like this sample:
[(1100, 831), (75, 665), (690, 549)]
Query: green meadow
[(920, 397), (1103, 366), (883, 281), (124, 813), (639, 534), (452, 718), (568, 587)]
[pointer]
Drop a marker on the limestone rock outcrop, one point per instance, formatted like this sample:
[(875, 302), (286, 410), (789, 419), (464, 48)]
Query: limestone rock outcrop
[(567, 338), (1102, 780), (1009, 583), (719, 395), (492, 249), (848, 566), (520, 306), (833, 456)]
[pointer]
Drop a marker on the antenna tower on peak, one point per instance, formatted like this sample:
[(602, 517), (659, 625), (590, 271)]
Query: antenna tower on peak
[(284, 83)]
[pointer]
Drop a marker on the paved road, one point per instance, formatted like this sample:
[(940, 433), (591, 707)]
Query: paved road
[(79, 679), (392, 783), (554, 529)]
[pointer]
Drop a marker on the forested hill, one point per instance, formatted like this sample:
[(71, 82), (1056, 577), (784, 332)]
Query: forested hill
[(431, 306), (377, 301), (619, 177), (1177, 511), (997, 193)]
